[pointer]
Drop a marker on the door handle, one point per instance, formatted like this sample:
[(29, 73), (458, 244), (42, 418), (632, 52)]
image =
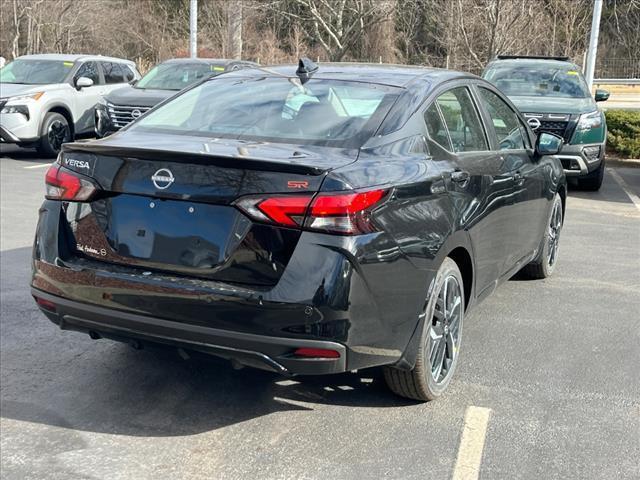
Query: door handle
[(460, 176), (518, 179)]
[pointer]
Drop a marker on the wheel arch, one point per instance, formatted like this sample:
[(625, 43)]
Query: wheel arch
[(66, 113), (462, 257), (562, 191), (458, 247)]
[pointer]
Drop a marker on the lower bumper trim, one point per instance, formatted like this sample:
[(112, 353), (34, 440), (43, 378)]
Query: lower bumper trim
[(258, 351), (7, 137), (569, 160)]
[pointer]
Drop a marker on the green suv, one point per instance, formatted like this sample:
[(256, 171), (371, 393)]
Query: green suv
[(553, 96)]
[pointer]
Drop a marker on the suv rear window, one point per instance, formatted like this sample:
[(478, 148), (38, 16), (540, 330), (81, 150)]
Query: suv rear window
[(276, 109), (112, 72), (537, 80), (128, 73)]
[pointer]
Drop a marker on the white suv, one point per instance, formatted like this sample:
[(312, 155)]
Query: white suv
[(47, 100)]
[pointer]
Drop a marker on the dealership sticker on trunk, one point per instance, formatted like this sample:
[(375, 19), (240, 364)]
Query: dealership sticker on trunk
[(88, 249)]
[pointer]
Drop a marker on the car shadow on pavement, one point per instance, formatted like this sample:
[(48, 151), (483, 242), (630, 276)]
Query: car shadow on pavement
[(23, 154), (155, 394), (67, 380)]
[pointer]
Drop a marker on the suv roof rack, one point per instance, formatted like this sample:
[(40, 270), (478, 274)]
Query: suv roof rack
[(534, 57)]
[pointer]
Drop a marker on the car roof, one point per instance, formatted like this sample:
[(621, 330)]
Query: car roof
[(73, 57), (208, 61), (542, 62), (383, 74)]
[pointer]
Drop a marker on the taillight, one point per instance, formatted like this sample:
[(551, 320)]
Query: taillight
[(63, 184), (348, 213), (345, 213)]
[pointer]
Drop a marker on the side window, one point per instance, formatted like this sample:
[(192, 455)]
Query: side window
[(128, 73), (509, 130), (112, 73), (88, 70), (436, 128), (462, 121)]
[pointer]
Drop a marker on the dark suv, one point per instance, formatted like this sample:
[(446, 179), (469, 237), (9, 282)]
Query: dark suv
[(553, 96), (125, 104), (304, 222)]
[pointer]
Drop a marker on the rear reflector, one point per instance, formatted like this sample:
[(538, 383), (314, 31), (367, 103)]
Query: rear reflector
[(316, 353), (63, 184), (344, 213), (46, 304)]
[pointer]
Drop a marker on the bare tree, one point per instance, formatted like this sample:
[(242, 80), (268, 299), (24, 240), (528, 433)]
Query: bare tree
[(234, 25), (458, 34), (338, 24)]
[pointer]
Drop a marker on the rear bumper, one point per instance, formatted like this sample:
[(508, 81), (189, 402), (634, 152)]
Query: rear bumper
[(334, 290), (258, 351)]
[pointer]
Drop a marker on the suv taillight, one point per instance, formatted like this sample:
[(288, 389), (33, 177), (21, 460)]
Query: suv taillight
[(344, 213), (63, 184)]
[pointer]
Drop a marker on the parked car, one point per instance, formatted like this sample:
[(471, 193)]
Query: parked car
[(125, 104), (49, 99), (554, 97), (308, 221)]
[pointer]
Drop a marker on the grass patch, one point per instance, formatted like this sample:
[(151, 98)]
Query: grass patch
[(623, 136)]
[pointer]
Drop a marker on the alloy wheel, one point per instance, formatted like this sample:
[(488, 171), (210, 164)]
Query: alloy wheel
[(555, 226), (58, 134), (445, 332)]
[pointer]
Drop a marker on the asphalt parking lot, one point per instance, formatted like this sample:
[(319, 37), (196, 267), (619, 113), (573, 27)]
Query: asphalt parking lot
[(550, 368)]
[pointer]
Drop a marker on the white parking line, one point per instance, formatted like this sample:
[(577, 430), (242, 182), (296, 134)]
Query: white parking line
[(616, 176), (40, 165), (467, 466)]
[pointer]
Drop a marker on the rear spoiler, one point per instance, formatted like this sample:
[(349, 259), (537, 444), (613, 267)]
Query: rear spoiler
[(532, 57), (291, 165)]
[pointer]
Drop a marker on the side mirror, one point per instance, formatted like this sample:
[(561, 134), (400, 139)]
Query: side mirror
[(133, 82), (548, 144), (83, 82), (601, 95)]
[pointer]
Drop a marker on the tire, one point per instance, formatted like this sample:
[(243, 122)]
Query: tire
[(593, 181), (441, 336), (545, 263), (54, 132)]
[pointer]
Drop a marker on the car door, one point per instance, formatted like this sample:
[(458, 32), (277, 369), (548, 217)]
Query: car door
[(87, 97), (514, 148), (478, 184)]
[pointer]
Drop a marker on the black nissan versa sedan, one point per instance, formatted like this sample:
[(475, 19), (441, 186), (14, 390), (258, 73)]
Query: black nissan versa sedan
[(304, 221)]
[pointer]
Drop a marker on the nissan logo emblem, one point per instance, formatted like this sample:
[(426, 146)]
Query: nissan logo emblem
[(162, 179), (534, 123), (136, 113)]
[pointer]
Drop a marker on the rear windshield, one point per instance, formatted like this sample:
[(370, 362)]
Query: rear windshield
[(176, 76), (538, 81), (35, 72), (275, 109)]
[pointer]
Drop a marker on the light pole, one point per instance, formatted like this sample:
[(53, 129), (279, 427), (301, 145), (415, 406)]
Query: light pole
[(593, 42), (193, 29)]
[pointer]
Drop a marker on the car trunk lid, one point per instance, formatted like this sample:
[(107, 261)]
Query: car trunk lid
[(168, 205)]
